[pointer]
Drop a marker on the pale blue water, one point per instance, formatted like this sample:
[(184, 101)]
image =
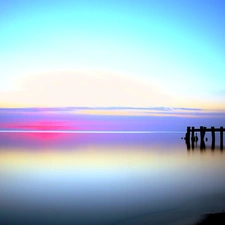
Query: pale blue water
[(107, 178)]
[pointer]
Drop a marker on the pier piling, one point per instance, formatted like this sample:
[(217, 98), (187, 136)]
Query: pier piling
[(191, 131), (202, 135), (221, 138), (187, 137), (193, 137), (213, 137)]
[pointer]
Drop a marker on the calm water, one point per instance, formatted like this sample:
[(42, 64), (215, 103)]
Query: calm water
[(107, 179)]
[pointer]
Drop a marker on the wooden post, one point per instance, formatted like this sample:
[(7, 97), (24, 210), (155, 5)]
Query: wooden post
[(202, 135), (188, 137), (221, 138), (213, 138), (192, 137)]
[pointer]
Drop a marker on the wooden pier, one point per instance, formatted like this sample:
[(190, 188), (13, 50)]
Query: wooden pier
[(191, 138)]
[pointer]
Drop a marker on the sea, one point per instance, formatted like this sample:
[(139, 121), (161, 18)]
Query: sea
[(54, 176)]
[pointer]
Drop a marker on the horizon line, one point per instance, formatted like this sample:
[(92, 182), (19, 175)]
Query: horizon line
[(90, 131), (160, 108), (105, 107)]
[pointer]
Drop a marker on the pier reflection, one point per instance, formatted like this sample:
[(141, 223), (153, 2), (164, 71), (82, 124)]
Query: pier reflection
[(202, 145)]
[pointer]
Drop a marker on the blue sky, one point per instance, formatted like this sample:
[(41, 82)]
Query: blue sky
[(112, 53)]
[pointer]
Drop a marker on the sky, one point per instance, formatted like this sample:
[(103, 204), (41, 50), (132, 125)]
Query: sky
[(166, 53)]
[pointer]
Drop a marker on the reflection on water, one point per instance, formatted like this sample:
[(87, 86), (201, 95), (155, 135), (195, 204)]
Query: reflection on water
[(106, 179), (206, 143)]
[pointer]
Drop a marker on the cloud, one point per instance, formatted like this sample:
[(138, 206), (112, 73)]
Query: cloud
[(116, 111), (84, 89)]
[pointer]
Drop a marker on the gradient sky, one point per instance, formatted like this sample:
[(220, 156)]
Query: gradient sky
[(112, 53)]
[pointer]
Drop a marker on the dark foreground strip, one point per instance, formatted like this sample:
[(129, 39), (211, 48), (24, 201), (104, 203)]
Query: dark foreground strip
[(213, 219)]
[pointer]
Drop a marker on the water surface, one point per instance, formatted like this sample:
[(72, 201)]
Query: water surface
[(107, 178)]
